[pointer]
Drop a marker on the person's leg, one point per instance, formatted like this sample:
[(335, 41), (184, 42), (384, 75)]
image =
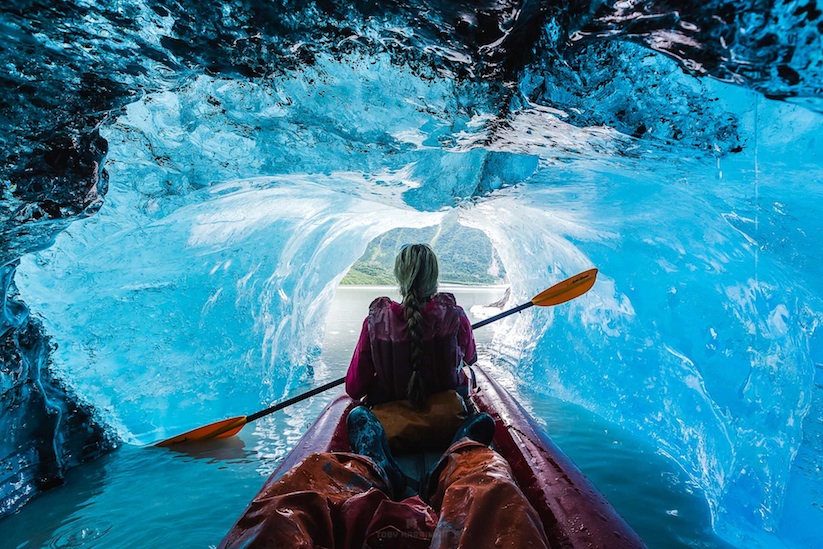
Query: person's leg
[(305, 507), (479, 427), (302, 508), (368, 438), (479, 503)]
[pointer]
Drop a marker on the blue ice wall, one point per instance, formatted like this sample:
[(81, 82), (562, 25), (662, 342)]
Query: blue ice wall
[(45, 430), (700, 334), (699, 313), (251, 150)]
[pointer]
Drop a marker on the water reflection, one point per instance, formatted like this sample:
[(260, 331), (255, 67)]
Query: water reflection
[(52, 519), (220, 449)]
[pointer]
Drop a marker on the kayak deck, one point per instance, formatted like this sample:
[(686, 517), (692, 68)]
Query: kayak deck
[(574, 513)]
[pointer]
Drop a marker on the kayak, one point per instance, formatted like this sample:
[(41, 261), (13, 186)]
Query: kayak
[(573, 511)]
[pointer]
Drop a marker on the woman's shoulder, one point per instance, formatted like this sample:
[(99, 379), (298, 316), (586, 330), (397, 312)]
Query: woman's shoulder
[(444, 298), (444, 307), (382, 303)]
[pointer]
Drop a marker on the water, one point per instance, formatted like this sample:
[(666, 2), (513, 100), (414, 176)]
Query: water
[(151, 497)]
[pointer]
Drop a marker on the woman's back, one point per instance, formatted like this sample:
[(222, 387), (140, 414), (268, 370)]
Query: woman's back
[(446, 341)]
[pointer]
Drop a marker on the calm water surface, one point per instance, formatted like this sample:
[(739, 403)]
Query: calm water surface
[(151, 497)]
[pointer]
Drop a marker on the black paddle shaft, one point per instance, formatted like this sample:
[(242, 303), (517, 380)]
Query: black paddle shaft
[(504, 314), (295, 400)]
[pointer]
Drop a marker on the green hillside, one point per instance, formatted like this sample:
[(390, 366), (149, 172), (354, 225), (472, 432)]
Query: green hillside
[(465, 255)]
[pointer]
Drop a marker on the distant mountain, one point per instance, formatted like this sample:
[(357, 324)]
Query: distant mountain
[(465, 256)]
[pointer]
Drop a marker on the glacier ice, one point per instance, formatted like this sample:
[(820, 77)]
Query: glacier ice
[(45, 428), (197, 280)]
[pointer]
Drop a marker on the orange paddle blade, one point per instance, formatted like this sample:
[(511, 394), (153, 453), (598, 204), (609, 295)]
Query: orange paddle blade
[(567, 290), (218, 429)]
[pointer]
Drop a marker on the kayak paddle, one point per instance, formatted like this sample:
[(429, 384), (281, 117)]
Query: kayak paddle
[(559, 293)]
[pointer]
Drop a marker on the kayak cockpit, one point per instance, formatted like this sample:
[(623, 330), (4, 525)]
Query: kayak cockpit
[(573, 512)]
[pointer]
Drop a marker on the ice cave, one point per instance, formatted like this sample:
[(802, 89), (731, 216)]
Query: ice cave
[(186, 184)]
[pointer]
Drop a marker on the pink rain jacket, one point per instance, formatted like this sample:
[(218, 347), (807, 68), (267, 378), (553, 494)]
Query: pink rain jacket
[(380, 368)]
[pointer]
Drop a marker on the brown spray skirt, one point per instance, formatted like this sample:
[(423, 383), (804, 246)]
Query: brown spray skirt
[(338, 500)]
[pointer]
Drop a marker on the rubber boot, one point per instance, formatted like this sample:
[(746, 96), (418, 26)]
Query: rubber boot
[(368, 438), (479, 427)]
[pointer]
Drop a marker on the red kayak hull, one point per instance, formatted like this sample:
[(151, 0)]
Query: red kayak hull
[(574, 513)]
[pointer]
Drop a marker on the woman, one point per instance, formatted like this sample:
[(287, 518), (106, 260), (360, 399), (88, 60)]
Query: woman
[(407, 367), (407, 363)]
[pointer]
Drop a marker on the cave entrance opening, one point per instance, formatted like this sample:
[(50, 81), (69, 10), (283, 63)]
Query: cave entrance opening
[(470, 268)]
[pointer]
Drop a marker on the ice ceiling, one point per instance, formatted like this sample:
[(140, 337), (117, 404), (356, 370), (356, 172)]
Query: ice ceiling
[(185, 185)]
